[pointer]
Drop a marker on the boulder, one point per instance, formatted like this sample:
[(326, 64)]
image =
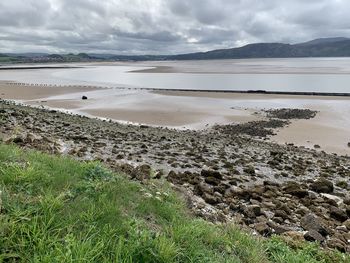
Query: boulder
[(338, 214), (336, 244), (251, 211), (210, 173), (293, 236), (143, 172), (210, 199), (295, 189), (322, 186), (203, 188), (313, 236), (249, 170), (263, 229), (333, 198), (312, 222), (346, 223), (212, 180)]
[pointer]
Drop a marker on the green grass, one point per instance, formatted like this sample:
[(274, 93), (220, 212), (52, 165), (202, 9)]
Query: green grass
[(55, 209)]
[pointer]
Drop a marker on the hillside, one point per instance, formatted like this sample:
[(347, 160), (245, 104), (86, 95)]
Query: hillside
[(332, 47), (55, 209)]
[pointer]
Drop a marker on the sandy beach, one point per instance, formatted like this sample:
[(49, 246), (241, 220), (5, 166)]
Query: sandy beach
[(197, 110)]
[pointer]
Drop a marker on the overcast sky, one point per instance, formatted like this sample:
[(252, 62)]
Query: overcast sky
[(164, 26)]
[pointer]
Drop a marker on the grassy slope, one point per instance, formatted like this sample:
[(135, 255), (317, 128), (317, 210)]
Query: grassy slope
[(55, 209)]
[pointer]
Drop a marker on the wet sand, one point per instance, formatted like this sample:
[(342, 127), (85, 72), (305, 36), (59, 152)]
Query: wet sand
[(246, 66), (197, 110), (36, 92)]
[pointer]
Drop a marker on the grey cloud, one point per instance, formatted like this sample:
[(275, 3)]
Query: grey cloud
[(164, 26)]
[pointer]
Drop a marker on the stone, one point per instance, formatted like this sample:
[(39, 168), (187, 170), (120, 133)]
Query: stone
[(334, 198), (295, 189), (263, 229), (347, 224), (158, 174), (252, 211), (84, 97), (282, 214), (203, 188), (212, 180), (346, 200), (338, 214), (210, 173), (210, 199), (336, 244), (249, 170), (322, 186), (294, 236), (278, 229), (312, 222), (313, 236), (143, 172)]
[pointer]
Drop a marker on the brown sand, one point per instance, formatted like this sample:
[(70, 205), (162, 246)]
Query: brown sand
[(244, 96), (197, 110), (31, 92)]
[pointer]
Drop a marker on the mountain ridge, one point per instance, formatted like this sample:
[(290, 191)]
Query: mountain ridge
[(321, 47)]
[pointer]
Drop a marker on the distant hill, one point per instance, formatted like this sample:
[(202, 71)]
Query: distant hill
[(324, 41), (322, 47)]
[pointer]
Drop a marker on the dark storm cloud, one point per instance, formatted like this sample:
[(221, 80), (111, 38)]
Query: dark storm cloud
[(164, 26)]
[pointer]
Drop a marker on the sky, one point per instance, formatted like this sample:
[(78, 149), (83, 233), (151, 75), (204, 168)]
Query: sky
[(164, 26)]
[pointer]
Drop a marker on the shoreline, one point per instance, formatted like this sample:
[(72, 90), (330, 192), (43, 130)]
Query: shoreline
[(267, 187), (193, 109)]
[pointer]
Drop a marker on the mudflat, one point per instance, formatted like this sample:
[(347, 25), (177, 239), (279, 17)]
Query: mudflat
[(197, 110)]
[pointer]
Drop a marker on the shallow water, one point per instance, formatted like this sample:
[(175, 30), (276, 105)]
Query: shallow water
[(306, 74)]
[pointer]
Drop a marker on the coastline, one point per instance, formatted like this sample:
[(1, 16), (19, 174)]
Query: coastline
[(196, 110), (226, 176)]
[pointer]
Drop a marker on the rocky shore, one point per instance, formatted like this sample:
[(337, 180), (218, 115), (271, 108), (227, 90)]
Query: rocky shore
[(226, 172)]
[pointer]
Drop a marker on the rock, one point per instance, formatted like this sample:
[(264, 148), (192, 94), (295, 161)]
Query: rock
[(338, 214), (316, 146), (210, 199), (212, 180), (158, 174), (348, 144), (347, 200), (84, 98), (293, 236), (143, 172), (295, 189), (322, 186), (313, 236), (249, 170), (312, 222), (203, 188), (282, 214), (278, 229), (209, 173), (336, 244), (347, 224), (334, 198), (263, 229), (237, 192), (251, 211)]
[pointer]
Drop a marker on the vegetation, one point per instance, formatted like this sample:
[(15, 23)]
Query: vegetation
[(55, 209)]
